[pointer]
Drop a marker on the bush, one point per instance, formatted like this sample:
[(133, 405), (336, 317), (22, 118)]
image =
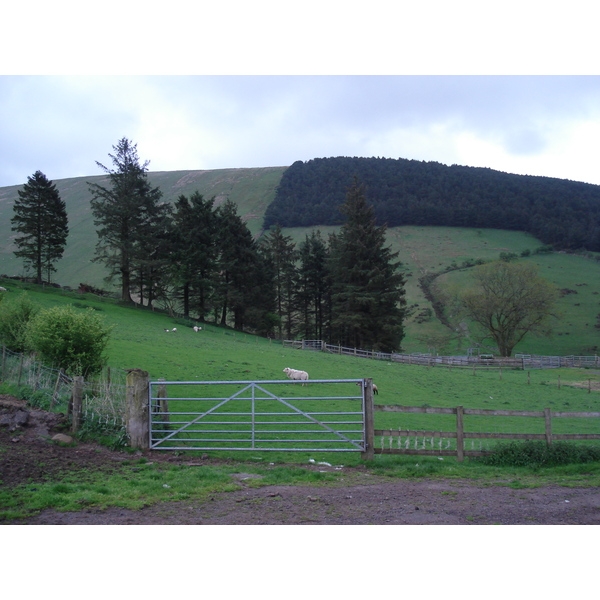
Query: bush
[(69, 339), (15, 315), (533, 453)]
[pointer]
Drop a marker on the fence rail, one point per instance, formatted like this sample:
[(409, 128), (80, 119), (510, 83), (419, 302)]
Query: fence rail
[(519, 361), (460, 435)]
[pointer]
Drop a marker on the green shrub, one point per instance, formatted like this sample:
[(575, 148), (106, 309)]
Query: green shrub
[(15, 315), (69, 339), (534, 453)]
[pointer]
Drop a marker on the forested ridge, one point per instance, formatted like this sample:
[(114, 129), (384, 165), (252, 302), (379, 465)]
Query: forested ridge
[(559, 212)]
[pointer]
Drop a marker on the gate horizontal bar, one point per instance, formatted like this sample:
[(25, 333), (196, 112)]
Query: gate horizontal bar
[(212, 427), (262, 382)]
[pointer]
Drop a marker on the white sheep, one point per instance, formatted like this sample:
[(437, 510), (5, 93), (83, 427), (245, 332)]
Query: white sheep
[(196, 328), (297, 375)]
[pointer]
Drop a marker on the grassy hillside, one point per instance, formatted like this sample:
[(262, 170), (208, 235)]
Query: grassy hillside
[(251, 189), (138, 340), (422, 250)]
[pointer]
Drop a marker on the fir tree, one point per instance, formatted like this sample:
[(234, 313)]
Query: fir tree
[(123, 213), (244, 286), (194, 251), (280, 252), (367, 295), (41, 219), (313, 288)]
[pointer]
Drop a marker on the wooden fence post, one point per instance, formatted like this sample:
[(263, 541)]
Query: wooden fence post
[(460, 432), (76, 403), (136, 415), (548, 420), (369, 453)]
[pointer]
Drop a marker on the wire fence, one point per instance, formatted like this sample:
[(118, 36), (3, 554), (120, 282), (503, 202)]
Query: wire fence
[(103, 398)]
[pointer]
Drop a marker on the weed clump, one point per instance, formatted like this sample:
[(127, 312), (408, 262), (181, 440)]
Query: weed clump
[(533, 453)]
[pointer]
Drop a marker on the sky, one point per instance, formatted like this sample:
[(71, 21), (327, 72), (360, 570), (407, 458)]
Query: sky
[(249, 92)]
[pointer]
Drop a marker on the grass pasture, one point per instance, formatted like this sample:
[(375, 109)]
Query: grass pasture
[(575, 330), (139, 340)]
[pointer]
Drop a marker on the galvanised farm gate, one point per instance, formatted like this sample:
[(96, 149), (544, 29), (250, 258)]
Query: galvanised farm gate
[(282, 415)]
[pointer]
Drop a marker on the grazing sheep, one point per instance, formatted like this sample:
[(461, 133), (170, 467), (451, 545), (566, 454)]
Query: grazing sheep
[(196, 328), (297, 375), (375, 390)]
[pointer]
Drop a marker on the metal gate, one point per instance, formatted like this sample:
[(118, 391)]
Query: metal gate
[(276, 415)]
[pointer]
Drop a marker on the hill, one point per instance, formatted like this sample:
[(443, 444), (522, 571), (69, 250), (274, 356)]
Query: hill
[(424, 251), (251, 189), (563, 213)]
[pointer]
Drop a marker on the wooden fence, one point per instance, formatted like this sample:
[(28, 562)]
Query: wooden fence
[(461, 435), (519, 361)]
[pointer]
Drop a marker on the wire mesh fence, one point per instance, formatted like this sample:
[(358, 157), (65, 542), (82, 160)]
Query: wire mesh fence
[(103, 398)]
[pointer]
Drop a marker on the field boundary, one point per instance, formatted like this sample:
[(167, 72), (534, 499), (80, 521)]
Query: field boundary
[(100, 402), (460, 435), (519, 361)]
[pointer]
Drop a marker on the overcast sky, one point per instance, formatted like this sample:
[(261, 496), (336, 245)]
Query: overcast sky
[(518, 118)]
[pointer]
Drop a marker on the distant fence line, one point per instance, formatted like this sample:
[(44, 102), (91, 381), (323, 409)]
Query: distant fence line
[(519, 361), (100, 401)]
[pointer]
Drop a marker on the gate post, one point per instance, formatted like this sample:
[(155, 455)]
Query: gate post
[(136, 416), (369, 424)]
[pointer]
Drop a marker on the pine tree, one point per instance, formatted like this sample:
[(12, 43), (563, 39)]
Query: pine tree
[(244, 285), (41, 217), (367, 295), (194, 251), (313, 286), (280, 251), (152, 259), (123, 212)]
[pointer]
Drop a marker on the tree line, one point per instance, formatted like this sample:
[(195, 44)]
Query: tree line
[(201, 260), (559, 212)]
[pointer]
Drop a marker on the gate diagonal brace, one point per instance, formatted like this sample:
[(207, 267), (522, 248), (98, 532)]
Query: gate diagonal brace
[(272, 396), (343, 437), (202, 415)]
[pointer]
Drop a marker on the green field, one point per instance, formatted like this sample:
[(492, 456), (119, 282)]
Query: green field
[(139, 340), (216, 354)]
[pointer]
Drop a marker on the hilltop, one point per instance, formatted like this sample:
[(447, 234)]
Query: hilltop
[(251, 189), (559, 212)]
